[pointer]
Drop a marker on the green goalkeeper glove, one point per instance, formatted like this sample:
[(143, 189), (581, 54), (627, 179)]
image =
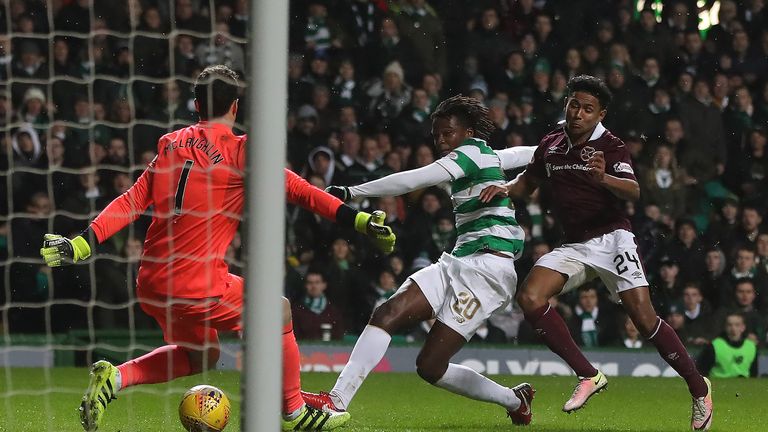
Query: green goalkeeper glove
[(58, 250), (373, 226)]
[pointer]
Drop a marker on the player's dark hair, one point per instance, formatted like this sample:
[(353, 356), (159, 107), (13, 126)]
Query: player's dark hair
[(744, 280), (470, 112), (215, 91), (592, 85)]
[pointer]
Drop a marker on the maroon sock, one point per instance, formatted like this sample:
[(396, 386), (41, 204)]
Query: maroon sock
[(552, 329), (673, 352)]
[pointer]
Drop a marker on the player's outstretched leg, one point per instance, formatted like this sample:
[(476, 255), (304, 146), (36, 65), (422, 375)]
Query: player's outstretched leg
[(433, 366), (103, 386), (406, 308)]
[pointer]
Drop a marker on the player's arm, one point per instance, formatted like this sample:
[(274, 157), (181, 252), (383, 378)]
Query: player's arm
[(515, 157), (300, 192), (521, 187), (625, 187), (58, 250), (398, 183)]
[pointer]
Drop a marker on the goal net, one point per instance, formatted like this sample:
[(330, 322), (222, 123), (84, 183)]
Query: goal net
[(86, 89)]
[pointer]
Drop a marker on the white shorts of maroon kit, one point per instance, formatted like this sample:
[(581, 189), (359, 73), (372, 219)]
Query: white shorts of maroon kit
[(611, 257)]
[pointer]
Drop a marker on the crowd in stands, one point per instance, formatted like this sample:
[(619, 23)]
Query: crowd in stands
[(80, 116)]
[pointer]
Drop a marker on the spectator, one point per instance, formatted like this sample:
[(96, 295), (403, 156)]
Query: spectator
[(303, 138), (486, 40), (715, 283), (388, 96), (314, 316), (749, 228), (419, 23), (704, 154), (686, 250), (321, 33), (722, 229), (221, 50), (415, 125), (187, 19), (746, 303), (745, 266), (346, 90), (730, 355), (592, 325), (668, 287), (665, 183), (698, 315), (346, 284), (631, 336), (749, 175)]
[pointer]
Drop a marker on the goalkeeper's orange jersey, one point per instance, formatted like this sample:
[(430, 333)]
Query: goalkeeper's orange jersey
[(196, 188)]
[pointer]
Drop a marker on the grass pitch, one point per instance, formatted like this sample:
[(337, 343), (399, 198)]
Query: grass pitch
[(46, 400)]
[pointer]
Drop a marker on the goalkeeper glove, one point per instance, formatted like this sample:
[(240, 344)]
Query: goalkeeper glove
[(373, 226), (58, 250), (340, 192)]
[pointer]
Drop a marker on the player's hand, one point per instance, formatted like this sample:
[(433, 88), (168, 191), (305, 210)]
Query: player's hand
[(491, 192), (58, 250), (596, 166), (340, 192), (373, 226)]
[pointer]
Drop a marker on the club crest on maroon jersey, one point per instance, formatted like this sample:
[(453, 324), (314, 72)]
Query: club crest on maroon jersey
[(587, 153)]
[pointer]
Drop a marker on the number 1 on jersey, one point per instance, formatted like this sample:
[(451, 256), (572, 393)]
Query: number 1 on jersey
[(182, 185)]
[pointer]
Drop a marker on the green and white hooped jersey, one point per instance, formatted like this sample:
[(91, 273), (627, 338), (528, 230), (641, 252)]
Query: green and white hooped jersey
[(474, 166)]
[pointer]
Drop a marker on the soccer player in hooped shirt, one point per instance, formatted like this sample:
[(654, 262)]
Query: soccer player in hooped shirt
[(462, 289), (589, 173), (196, 188)]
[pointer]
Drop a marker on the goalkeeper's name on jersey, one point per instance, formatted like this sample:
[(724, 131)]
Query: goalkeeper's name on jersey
[(197, 143)]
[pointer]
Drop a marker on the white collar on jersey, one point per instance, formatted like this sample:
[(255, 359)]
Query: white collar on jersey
[(597, 133)]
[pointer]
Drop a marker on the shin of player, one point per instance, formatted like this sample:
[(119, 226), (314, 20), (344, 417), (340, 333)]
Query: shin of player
[(589, 173), (463, 288)]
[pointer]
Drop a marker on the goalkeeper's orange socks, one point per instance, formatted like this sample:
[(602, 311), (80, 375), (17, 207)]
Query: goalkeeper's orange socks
[(292, 400), (161, 365)]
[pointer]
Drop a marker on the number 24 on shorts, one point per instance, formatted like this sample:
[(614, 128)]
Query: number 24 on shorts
[(620, 260)]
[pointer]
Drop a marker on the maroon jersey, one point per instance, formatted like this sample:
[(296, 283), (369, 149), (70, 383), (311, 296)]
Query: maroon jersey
[(585, 208)]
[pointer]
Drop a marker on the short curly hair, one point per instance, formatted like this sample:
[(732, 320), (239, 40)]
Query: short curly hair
[(470, 112), (592, 85)]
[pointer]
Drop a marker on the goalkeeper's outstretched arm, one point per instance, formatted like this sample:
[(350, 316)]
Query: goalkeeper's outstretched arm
[(58, 250)]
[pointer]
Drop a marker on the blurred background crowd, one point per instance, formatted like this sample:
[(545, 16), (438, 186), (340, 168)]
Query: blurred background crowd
[(80, 117)]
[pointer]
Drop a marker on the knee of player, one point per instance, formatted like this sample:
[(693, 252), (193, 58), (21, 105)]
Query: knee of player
[(647, 325), (287, 317), (384, 317), (429, 370), (529, 298)]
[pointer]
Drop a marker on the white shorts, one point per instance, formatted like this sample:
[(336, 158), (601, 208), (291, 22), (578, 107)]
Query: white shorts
[(612, 257), (465, 291)]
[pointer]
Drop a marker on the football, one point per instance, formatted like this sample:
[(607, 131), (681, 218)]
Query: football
[(204, 408)]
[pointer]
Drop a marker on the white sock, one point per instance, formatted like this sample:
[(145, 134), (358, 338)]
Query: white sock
[(466, 382), (367, 353), (294, 415), (118, 380)]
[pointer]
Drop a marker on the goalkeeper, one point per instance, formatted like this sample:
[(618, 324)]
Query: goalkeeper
[(196, 187)]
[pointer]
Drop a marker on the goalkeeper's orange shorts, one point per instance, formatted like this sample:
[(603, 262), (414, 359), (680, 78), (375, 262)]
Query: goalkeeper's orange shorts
[(195, 323)]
